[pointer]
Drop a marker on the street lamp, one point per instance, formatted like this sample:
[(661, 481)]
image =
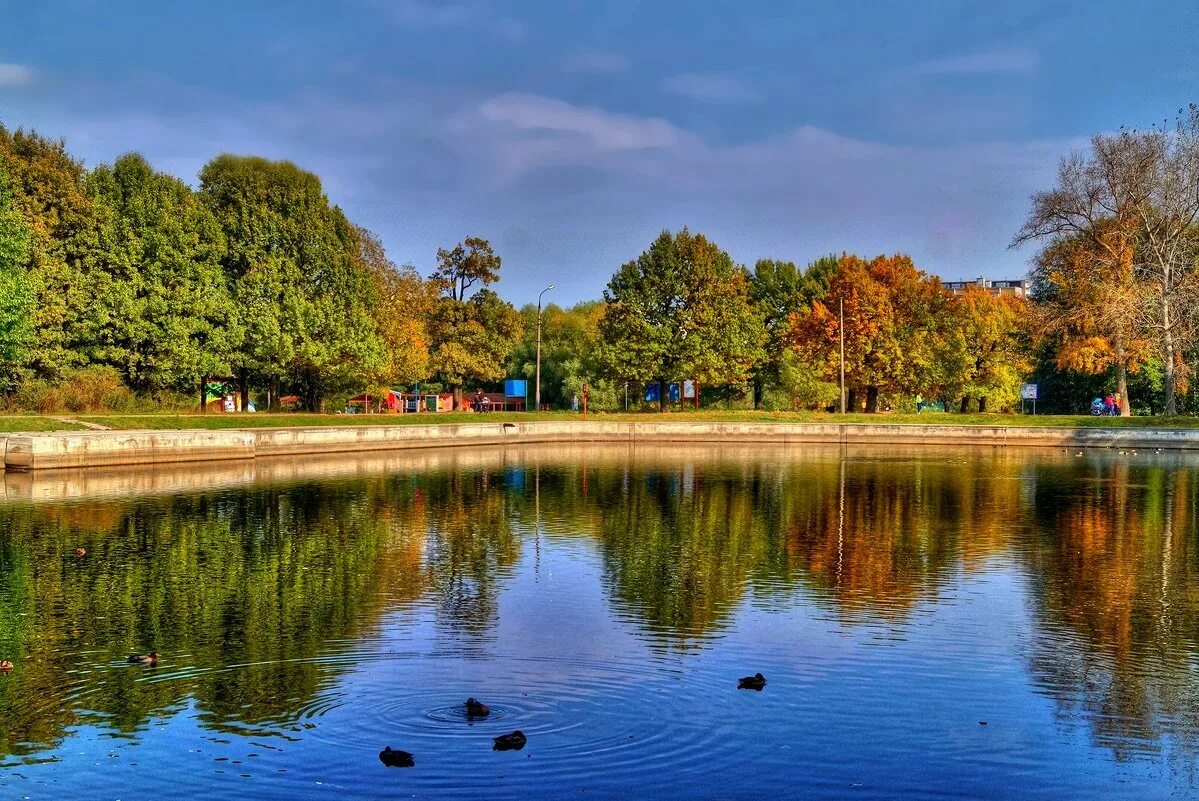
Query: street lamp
[(537, 392)]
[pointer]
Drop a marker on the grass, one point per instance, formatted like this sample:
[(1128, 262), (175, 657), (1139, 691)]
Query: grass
[(20, 423), (263, 420)]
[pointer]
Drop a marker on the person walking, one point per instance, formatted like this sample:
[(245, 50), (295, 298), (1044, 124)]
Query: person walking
[(574, 403)]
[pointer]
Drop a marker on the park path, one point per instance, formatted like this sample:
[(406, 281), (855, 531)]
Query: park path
[(84, 423)]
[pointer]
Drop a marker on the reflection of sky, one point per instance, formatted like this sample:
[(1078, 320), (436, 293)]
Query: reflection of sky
[(883, 701), (889, 709)]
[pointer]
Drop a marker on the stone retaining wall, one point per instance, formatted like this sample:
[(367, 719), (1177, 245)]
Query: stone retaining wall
[(79, 449)]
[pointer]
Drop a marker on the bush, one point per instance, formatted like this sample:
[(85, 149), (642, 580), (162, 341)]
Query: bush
[(88, 389)]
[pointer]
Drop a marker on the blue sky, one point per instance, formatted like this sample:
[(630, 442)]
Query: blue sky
[(570, 133)]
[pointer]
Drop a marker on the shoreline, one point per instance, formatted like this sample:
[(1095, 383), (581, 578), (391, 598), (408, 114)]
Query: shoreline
[(90, 449)]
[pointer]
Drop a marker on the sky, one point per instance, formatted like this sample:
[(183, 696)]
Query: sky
[(571, 133)]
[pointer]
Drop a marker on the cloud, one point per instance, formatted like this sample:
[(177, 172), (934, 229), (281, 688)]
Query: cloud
[(15, 74), (539, 116), (595, 62), (595, 185), (1013, 61), (710, 88)]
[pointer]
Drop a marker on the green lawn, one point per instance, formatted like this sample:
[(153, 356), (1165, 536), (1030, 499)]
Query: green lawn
[(262, 420), (15, 423)]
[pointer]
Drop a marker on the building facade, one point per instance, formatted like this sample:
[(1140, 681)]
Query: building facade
[(1006, 287)]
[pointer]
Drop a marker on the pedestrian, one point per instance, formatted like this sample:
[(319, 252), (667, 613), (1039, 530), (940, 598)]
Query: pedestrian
[(574, 403), (1109, 404)]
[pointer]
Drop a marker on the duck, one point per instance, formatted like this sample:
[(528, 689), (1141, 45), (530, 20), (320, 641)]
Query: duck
[(396, 758), (143, 659), (510, 742), (80, 552), (754, 682), (476, 709), (6, 666)]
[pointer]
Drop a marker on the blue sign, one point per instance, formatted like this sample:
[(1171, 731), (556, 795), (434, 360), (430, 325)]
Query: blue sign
[(516, 388)]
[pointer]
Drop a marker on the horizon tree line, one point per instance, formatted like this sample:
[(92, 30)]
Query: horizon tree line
[(122, 282)]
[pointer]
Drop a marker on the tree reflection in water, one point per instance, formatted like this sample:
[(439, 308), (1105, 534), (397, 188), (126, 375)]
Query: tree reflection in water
[(258, 590)]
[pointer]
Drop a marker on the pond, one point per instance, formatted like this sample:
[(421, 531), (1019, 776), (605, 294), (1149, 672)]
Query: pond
[(931, 623)]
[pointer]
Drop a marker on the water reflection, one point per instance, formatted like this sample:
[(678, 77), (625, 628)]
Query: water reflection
[(265, 584)]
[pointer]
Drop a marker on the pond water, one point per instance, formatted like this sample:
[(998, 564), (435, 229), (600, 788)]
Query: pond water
[(937, 623)]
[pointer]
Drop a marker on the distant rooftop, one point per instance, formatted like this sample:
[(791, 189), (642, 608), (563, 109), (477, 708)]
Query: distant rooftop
[(998, 287)]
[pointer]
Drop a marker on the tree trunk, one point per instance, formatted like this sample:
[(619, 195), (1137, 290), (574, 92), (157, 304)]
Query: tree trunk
[(964, 405), (757, 384), (851, 400), (457, 390), (275, 404), (871, 400), (663, 391), (1122, 378), (243, 381), (1168, 359), (982, 405)]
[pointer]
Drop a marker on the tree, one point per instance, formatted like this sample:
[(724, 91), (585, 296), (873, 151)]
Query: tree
[(161, 311), (993, 332), (294, 262), (569, 355), (1088, 304), (681, 310), (896, 329), (47, 191), (1143, 183), (472, 338), (468, 263), (403, 303), (16, 293)]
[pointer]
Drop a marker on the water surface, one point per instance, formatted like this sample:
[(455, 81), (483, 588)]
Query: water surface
[(933, 623)]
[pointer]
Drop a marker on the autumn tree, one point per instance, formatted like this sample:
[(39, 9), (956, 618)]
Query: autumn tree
[(681, 310), (1143, 183), (993, 332), (403, 302), (895, 323), (1088, 303)]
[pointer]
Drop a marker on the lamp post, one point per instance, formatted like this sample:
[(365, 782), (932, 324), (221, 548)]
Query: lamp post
[(841, 330), (537, 391)]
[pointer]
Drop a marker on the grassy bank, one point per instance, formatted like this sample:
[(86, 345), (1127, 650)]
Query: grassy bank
[(260, 420), (33, 423), (10, 424)]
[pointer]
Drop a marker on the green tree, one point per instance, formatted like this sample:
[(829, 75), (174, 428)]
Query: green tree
[(471, 262), (472, 338), (47, 191), (161, 310), (681, 310), (780, 290), (297, 277), (16, 293)]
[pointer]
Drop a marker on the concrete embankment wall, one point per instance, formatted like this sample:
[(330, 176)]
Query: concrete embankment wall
[(82, 449)]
